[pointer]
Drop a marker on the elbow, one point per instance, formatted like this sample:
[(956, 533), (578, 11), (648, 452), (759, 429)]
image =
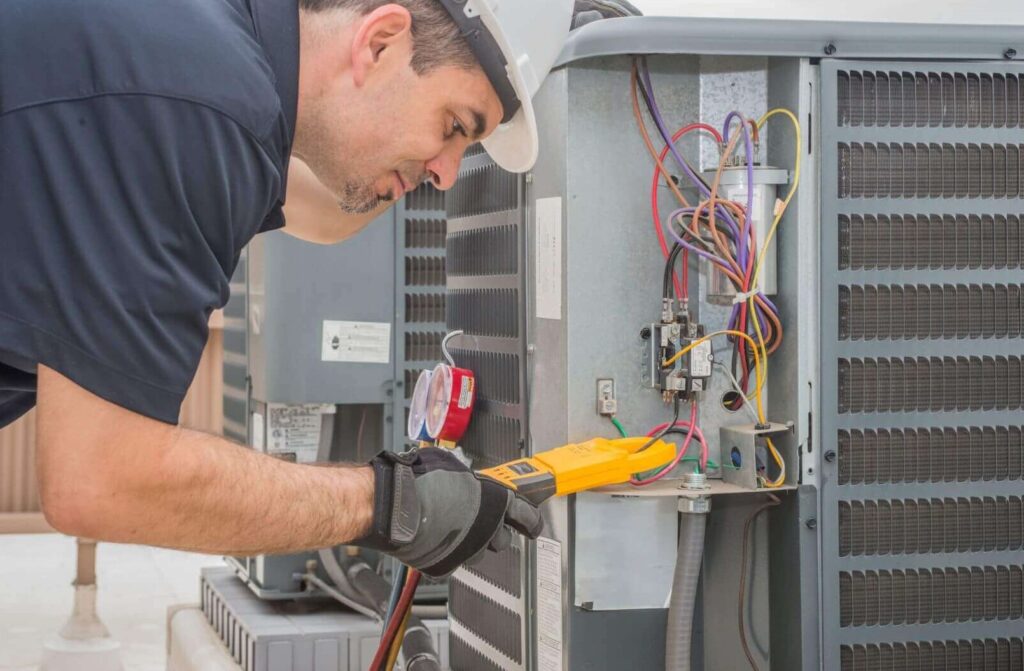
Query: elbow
[(68, 506)]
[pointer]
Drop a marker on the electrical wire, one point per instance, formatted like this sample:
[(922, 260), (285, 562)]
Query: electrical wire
[(774, 501), (396, 646), (621, 429), (759, 372), (394, 622), (675, 418), (692, 430), (444, 346), (359, 435), (682, 290), (396, 592)]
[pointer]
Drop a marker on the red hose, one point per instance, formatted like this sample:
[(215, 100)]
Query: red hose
[(404, 603)]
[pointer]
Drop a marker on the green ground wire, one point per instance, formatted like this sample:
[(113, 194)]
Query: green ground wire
[(618, 425)]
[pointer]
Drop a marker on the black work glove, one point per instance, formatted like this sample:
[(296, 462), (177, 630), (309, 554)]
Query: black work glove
[(434, 514)]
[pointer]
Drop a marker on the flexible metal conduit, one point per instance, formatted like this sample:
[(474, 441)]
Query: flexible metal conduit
[(679, 631)]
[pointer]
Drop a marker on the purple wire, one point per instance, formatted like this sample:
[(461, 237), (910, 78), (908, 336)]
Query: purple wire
[(645, 80), (741, 235), (727, 125)]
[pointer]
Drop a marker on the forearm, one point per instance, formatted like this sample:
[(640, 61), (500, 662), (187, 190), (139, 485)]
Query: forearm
[(111, 474), (206, 494)]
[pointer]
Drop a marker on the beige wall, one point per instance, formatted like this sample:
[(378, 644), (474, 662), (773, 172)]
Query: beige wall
[(201, 410)]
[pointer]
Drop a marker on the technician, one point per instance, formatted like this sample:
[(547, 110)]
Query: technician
[(143, 143)]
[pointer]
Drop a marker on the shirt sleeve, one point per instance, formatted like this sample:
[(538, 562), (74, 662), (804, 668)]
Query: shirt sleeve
[(121, 221)]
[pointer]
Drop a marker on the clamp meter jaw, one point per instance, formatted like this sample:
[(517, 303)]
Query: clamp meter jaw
[(581, 466)]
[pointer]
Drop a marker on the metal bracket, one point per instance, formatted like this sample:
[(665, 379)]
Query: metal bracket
[(740, 446)]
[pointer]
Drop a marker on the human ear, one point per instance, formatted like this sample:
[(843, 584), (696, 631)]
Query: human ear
[(381, 33)]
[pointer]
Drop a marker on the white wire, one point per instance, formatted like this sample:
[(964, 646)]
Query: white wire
[(736, 387), (444, 347)]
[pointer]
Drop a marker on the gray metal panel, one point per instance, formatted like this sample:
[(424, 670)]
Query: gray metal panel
[(840, 126), (776, 37), (294, 287)]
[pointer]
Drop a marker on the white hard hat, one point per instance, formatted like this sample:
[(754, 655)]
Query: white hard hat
[(516, 43)]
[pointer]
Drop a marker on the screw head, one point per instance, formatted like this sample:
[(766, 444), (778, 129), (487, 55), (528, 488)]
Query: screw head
[(830, 456), (645, 333), (812, 523), (1010, 54), (830, 49)]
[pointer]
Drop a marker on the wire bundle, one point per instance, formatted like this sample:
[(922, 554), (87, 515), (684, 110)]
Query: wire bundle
[(722, 232), (396, 619)]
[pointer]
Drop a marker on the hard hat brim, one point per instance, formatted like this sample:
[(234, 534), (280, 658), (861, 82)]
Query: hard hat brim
[(514, 145)]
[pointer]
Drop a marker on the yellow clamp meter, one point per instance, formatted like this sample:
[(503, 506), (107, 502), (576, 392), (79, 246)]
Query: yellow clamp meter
[(576, 468)]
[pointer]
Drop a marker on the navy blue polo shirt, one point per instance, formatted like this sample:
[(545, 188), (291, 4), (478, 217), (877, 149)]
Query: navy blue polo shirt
[(142, 144)]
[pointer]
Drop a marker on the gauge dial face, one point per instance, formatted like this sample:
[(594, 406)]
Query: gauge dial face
[(418, 407), (438, 399)]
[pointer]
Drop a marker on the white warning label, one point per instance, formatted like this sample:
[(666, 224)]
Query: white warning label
[(356, 342), (549, 605), (294, 430)]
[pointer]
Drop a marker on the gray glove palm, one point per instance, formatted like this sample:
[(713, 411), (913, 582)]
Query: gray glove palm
[(434, 514)]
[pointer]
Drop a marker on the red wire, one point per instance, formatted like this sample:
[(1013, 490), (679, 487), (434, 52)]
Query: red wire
[(693, 431), (404, 603), (681, 290)]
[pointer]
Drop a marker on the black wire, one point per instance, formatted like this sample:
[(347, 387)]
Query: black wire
[(675, 418), (668, 289)]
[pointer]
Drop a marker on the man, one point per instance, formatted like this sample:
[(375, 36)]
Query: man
[(142, 144)]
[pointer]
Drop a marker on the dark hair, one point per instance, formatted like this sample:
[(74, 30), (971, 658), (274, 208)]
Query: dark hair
[(436, 38)]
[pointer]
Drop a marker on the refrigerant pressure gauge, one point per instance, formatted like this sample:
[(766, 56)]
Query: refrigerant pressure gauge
[(449, 405)]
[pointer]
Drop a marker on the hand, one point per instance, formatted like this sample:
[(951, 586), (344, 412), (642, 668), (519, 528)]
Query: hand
[(434, 514)]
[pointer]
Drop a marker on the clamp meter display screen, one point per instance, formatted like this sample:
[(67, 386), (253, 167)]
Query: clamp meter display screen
[(522, 468)]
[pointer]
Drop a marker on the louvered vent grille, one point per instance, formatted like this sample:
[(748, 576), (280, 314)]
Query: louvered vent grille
[(425, 198), (484, 312), (485, 189), (497, 373), (922, 250), (425, 233), (464, 657), (952, 454), (493, 439), (908, 312), (484, 298), (930, 526), (1003, 654), (484, 251), (947, 100), (421, 271), (921, 242), (918, 170), (487, 618), (422, 261), (501, 569), (424, 308), (928, 596), (923, 384), (423, 346)]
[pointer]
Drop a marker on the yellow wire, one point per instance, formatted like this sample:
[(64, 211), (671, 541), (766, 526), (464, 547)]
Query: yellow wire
[(758, 363), (396, 645), (760, 260)]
